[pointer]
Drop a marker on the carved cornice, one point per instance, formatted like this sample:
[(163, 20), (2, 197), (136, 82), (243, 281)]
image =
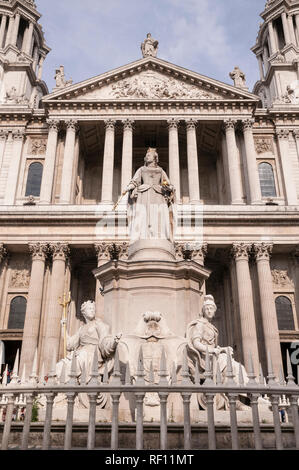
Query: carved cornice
[(54, 124), (241, 251), (262, 251), (110, 124), (38, 251), (59, 251), (229, 124)]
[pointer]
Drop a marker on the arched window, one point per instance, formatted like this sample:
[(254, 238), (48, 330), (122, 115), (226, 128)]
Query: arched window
[(34, 179), (284, 312), (267, 180), (17, 313)]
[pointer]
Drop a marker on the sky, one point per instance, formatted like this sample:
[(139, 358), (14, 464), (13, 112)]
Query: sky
[(90, 37)]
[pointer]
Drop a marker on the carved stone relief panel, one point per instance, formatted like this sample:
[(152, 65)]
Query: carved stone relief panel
[(20, 267), (37, 146), (263, 145), (281, 279)]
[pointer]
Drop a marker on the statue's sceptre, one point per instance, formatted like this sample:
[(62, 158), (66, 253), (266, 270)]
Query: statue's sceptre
[(117, 203), (65, 303)]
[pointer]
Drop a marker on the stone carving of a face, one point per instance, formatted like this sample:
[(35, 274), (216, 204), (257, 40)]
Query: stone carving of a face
[(209, 308), (151, 157), (88, 310)]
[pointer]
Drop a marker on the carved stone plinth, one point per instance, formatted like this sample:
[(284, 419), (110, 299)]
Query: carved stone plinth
[(135, 286)]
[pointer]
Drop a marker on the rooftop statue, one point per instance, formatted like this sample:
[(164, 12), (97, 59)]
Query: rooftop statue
[(149, 46), (239, 78), (61, 82), (150, 201)]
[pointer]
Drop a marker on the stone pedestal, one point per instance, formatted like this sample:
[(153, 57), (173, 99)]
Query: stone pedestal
[(151, 280)]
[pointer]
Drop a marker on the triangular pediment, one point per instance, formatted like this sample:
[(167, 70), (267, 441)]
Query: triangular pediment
[(150, 79)]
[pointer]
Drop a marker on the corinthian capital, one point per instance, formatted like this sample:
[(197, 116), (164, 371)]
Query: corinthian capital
[(4, 134), (72, 124), (296, 133), (53, 124), (240, 251), (38, 251), (191, 124), (173, 123), (229, 124), (110, 124), (3, 252), (60, 251), (18, 134), (262, 251), (191, 251), (283, 134), (247, 123), (128, 124)]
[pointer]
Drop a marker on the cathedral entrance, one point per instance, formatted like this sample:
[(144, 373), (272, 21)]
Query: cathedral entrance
[(10, 352)]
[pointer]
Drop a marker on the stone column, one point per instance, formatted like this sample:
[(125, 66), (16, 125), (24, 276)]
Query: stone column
[(108, 162), (295, 258), (291, 30), (266, 57), (272, 38), (49, 165), (269, 318), (233, 162), (103, 257), (240, 252), (192, 157), (15, 30), (260, 62), (3, 268), (33, 316), (2, 29), (29, 36), (68, 162), (9, 31), (60, 253), (13, 172), (174, 156), (40, 68), (285, 25), (252, 170), (297, 25), (127, 153), (287, 167), (3, 139)]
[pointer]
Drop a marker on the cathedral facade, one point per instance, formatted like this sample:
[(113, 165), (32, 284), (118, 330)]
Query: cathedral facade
[(67, 156)]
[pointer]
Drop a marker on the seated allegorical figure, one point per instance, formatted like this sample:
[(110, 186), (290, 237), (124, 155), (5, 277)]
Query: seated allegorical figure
[(202, 334), (94, 333)]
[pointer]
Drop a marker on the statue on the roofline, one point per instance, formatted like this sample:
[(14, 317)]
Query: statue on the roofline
[(149, 46)]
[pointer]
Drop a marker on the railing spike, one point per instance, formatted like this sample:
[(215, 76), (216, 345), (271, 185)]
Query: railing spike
[(218, 374), (197, 374), (62, 378), (229, 369), (128, 374), (241, 375), (261, 376), (23, 376), (52, 377), (83, 376), (5, 376), (251, 372), (163, 374), (33, 378), (185, 369), (42, 374), (15, 377), (174, 374), (151, 377), (282, 381), (94, 374), (271, 376), (290, 376), (106, 374), (116, 376), (208, 372), (73, 372)]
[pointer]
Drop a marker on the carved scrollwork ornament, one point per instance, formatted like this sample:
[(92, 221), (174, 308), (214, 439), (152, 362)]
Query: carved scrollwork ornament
[(229, 124), (128, 124), (110, 124), (3, 252), (262, 251), (173, 123), (247, 124), (18, 134), (283, 134), (241, 251), (296, 133), (191, 124), (191, 251), (72, 125), (102, 252), (53, 124), (4, 134)]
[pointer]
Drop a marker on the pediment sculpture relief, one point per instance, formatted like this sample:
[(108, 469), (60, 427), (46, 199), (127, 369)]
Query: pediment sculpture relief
[(149, 85)]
